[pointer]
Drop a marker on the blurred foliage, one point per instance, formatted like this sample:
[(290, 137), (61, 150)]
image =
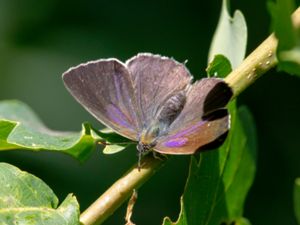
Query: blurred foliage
[(297, 199), (288, 51), (41, 39)]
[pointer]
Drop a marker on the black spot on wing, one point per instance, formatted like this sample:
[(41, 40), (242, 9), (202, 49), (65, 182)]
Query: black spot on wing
[(217, 98)]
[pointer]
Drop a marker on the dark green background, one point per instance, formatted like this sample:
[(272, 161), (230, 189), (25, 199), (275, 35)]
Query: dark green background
[(40, 39)]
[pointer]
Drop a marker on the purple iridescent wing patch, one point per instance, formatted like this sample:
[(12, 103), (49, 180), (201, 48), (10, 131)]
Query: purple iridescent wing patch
[(176, 142), (118, 117)]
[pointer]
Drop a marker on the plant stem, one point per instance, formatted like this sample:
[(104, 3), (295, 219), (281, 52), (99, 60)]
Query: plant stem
[(120, 191), (257, 63)]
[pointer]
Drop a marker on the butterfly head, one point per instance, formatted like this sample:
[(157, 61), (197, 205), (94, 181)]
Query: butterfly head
[(147, 141)]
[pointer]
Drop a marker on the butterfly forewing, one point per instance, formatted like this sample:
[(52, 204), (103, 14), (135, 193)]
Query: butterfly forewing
[(155, 80), (195, 127), (105, 89)]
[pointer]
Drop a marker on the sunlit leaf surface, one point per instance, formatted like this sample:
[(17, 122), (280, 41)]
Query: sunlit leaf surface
[(25, 199), (20, 128), (230, 38)]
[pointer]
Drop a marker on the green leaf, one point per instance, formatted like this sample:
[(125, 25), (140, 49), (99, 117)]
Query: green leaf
[(230, 38), (112, 149), (114, 143), (20, 128), (219, 182), (282, 24), (288, 50), (220, 67), (242, 221), (25, 199), (297, 199)]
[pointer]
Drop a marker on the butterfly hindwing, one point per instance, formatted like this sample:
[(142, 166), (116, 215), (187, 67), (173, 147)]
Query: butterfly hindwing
[(202, 121)]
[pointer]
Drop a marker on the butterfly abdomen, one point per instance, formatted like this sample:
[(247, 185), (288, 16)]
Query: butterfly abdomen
[(165, 116), (172, 108)]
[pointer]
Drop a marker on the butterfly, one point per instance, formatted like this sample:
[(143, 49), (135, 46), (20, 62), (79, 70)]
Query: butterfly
[(152, 100)]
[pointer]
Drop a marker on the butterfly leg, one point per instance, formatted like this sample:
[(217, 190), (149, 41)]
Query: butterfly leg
[(160, 156)]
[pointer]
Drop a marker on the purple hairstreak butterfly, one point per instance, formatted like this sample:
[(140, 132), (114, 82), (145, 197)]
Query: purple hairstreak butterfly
[(152, 100)]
